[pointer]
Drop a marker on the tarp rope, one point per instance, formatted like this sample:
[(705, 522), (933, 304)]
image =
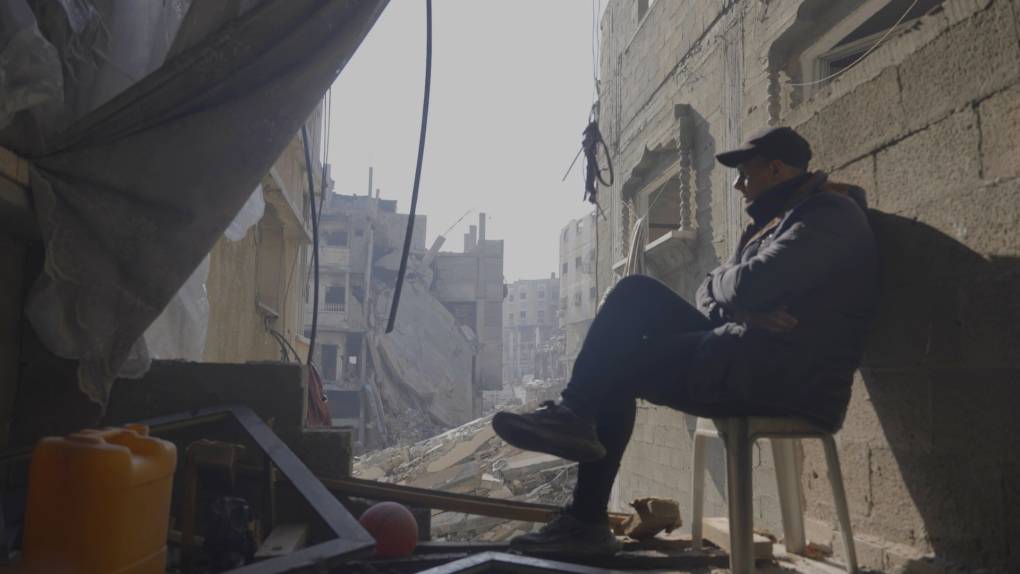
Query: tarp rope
[(417, 171)]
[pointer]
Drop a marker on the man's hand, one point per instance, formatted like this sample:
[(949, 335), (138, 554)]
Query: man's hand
[(778, 321)]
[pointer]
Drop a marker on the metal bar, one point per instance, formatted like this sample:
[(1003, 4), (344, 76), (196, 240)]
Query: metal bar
[(466, 503), (352, 540), (488, 561)]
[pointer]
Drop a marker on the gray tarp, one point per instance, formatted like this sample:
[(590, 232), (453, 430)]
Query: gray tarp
[(132, 196)]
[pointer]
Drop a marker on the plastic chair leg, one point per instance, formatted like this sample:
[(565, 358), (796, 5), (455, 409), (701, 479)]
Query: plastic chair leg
[(698, 490), (784, 455), (740, 489), (839, 496)]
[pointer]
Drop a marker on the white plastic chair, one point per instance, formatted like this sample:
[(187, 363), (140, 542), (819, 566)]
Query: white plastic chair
[(738, 435)]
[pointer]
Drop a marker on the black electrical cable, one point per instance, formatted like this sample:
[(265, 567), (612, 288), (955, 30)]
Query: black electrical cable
[(315, 245), (417, 170)]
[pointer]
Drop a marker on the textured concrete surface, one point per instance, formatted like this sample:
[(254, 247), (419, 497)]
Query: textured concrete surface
[(927, 125)]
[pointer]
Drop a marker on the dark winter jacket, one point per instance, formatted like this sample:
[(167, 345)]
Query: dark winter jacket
[(810, 250)]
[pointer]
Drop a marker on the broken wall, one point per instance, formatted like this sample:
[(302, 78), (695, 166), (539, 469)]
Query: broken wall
[(927, 125)]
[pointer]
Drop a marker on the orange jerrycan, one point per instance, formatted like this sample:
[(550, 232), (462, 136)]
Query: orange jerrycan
[(99, 503)]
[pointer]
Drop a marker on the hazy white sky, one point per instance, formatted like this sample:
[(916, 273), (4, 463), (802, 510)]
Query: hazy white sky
[(511, 91)]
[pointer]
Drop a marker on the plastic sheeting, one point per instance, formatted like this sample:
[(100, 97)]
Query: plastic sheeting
[(29, 66), (131, 197), (250, 214), (180, 330)]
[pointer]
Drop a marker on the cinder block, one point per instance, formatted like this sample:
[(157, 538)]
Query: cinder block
[(1000, 134), (981, 218), (931, 163), (896, 412), (896, 517), (328, 453), (819, 532), (907, 562), (273, 390), (855, 460), (815, 483), (975, 410), (971, 60), (870, 551), (861, 423), (853, 126)]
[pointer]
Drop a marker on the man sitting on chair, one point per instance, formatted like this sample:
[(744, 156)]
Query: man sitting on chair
[(778, 331)]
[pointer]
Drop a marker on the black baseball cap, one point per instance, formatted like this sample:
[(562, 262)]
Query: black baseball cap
[(780, 143)]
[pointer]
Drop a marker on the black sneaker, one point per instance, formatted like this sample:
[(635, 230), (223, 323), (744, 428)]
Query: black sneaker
[(553, 429), (568, 536)]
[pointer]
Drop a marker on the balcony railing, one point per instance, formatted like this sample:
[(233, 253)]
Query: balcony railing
[(333, 307)]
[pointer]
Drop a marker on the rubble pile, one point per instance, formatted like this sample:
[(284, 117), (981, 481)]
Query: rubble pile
[(471, 459)]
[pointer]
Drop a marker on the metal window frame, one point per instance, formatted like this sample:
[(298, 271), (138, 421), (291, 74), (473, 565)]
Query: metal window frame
[(487, 561), (351, 540)]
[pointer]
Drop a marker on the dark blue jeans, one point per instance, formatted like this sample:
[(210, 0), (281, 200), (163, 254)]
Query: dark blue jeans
[(641, 344)]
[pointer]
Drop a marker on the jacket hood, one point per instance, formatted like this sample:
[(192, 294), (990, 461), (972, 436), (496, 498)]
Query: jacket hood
[(852, 191)]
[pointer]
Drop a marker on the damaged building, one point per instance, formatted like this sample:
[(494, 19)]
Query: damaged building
[(919, 104), (530, 309), (433, 367), (578, 292)]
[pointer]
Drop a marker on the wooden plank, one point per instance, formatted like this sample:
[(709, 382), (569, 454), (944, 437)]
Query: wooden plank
[(717, 531), (466, 503), (283, 540)]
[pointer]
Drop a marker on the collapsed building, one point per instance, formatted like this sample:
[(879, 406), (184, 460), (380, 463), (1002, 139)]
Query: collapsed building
[(432, 368)]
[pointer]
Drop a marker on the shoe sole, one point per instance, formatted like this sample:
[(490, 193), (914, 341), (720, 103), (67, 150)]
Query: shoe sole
[(517, 431)]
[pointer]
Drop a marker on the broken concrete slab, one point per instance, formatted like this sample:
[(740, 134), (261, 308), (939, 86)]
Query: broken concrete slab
[(462, 450)]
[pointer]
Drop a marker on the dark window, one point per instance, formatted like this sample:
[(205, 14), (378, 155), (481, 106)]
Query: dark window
[(328, 362), (593, 293), (336, 238), (524, 295), (577, 263), (524, 315), (344, 404), (359, 232), (336, 298), (564, 268)]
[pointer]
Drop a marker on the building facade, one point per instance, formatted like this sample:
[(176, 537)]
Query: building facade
[(918, 103), (530, 323), (578, 292), (256, 279), (470, 285)]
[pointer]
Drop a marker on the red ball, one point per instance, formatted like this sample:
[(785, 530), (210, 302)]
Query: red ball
[(394, 528)]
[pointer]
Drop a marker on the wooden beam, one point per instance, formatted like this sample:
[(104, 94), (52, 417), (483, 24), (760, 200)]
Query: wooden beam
[(466, 503)]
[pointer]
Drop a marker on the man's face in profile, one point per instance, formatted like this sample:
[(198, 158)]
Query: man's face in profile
[(756, 175)]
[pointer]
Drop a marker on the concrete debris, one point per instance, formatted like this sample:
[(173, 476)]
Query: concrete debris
[(653, 516), (471, 459)]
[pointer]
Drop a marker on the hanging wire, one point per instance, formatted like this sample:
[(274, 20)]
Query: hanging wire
[(417, 171), (874, 47)]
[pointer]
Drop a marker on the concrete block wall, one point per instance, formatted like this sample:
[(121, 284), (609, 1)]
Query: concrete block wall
[(928, 125)]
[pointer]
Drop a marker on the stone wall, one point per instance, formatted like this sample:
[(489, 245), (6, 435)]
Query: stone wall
[(927, 124)]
